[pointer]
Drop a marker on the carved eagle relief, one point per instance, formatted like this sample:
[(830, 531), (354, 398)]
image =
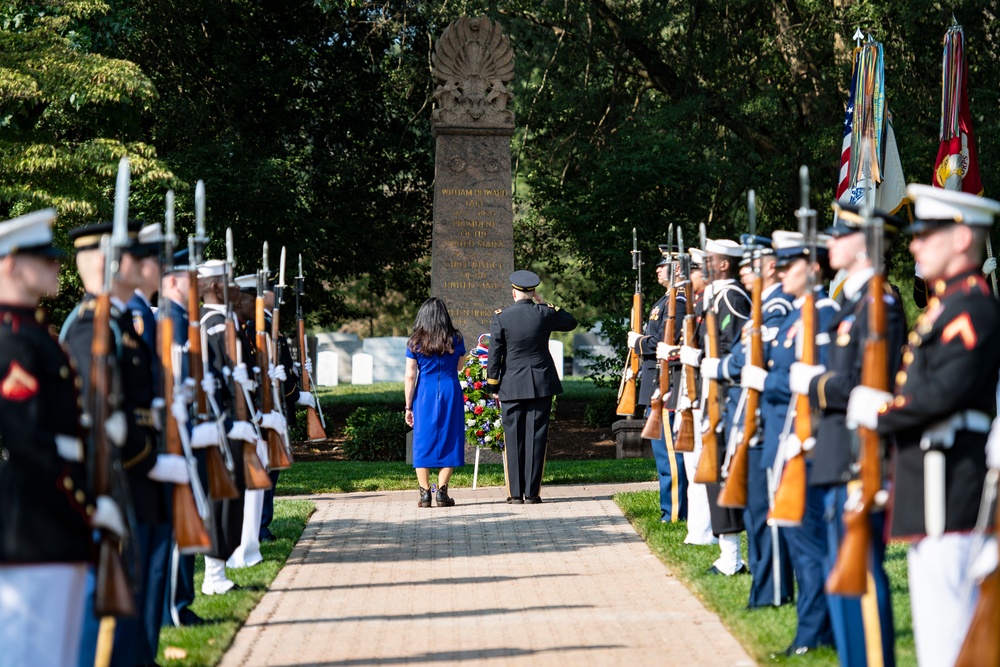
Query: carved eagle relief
[(472, 61)]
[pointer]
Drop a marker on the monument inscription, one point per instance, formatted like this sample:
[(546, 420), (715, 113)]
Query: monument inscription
[(473, 239)]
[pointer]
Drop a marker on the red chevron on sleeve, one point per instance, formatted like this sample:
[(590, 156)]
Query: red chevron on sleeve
[(19, 384), (960, 327)]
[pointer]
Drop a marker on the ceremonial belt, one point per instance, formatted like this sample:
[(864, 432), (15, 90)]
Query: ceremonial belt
[(143, 417), (941, 435)]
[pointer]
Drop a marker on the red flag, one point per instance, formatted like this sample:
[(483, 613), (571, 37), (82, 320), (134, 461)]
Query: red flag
[(956, 167)]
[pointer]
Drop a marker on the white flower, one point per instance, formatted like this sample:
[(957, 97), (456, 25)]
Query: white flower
[(470, 422), (463, 384), (481, 402), (467, 408), (488, 438), (497, 424)]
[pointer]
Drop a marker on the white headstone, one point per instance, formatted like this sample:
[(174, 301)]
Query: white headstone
[(327, 367), (389, 353), (344, 344), (362, 369), (590, 347), (556, 350)]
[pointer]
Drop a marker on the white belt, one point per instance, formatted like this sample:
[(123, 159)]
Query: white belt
[(69, 448), (942, 434)]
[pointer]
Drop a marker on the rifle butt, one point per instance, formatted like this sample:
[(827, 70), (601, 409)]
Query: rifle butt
[(253, 469), (653, 429), (189, 529), (314, 427), (277, 455), (982, 642), (849, 576), (113, 595), (708, 463), (220, 483), (790, 496), (685, 434), (734, 493), (626, 399)]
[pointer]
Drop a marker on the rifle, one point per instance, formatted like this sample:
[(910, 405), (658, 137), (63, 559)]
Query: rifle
[(219, 461), (113, 595), (790, 494), (654, 428), (708, 463), (981, 645), (278, 458), (315, 424), (626, 389), (253, 469), (734, 493), (684, 442), (849, 576), (274, 351), (189, 509)]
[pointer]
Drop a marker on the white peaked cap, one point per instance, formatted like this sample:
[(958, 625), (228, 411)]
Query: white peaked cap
[(31, 230), (781, 239), (213, 268), (152, 233), (697, 256), (932, 203), (724, 247)]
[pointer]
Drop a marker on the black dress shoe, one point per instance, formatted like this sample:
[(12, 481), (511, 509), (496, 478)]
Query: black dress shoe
[(515, 501), (267, 536), (793, 651), (189, 618), (714, 571), (743, 569), (533, 500)]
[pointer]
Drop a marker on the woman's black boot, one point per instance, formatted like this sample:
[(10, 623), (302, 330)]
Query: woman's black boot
[(442, 497), (425, 497)]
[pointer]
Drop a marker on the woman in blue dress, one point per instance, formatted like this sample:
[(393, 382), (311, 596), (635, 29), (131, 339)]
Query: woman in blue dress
[(434, 403)]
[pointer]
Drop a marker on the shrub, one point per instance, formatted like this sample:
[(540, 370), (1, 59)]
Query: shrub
[(375, 434), (600, 411)]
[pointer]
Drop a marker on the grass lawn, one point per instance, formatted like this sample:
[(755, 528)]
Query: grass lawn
[(761, 631), (305, 478), (204, 645)]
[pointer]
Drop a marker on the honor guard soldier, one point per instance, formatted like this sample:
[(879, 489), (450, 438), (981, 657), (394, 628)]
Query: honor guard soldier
[(521, 372), (940, 414), (834, 456), (147, 470), (48, 512), (807, 541), (669, 464)]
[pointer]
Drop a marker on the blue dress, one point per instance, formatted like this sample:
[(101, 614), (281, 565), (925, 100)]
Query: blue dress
[(438, 410)]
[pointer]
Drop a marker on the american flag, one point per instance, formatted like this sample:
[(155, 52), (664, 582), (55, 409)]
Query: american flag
[(844, 184)]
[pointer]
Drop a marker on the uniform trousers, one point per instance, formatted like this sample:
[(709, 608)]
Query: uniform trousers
[(267, 513), (41, 614), (943, 595), (699, 523), (248, 553), (858, 621), (526, 431), (807, 547), (673, 478), (762, 540)]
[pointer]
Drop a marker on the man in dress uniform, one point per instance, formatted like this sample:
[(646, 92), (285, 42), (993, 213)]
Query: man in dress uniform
[(940, 414), (146, 468), (521, 372), (669, 464), (48, 510), (731, 306), (834, 456)]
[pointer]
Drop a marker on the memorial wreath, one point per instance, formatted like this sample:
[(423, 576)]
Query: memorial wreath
[(483, 427)]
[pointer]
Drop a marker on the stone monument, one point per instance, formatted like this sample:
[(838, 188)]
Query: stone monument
[(472, 252)]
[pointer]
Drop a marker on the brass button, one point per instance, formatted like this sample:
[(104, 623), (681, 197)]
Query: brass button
[(67, 483), (901, 378), (908, 357), (940, 287), (770, 363), (64, 372), (899, 401), (39, 315), (914, 338), (80, 497)]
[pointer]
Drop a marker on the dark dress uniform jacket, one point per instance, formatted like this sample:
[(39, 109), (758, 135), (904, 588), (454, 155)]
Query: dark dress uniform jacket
[(848, 330), (949, 366), (44, 506), (519, 360), (645, 347)]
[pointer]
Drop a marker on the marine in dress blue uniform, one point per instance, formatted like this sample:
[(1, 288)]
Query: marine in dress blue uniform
[(521, 372), (854, 621)]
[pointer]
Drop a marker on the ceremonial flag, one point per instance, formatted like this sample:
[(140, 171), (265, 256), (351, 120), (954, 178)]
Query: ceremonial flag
[(869, 161), (956, 167)]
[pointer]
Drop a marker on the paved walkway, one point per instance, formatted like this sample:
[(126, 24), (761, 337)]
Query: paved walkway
[(375, 580)]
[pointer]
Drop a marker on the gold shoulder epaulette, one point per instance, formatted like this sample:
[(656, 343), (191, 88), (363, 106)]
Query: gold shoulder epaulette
[(498, 311)]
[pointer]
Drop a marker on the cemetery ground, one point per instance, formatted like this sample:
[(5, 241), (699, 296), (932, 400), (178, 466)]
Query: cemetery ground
[(320, 469)]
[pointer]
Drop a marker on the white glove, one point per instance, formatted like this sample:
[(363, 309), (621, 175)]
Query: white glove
[(632, 338), (274, 421), (156, 410), (864, 406), (179, 409), (801, 375), (790, 446), (753, 377), (710, 367), (208, 384), (990, 265), (277, 372), (187, 389), (108, 516), (116, 428), (307, 399), (993, 446), (242, 431), (309, 365), (690, 356), (664, 351), (262, 453), (683, 402), (171, 469), (204, 435), (241, 377)]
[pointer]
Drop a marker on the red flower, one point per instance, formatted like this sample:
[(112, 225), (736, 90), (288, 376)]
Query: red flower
[(478, 410), (468, 372), (477, 385), (468, 400), (480, 433)]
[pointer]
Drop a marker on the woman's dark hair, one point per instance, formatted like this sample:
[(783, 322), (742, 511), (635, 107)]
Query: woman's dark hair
[(433, 332)]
